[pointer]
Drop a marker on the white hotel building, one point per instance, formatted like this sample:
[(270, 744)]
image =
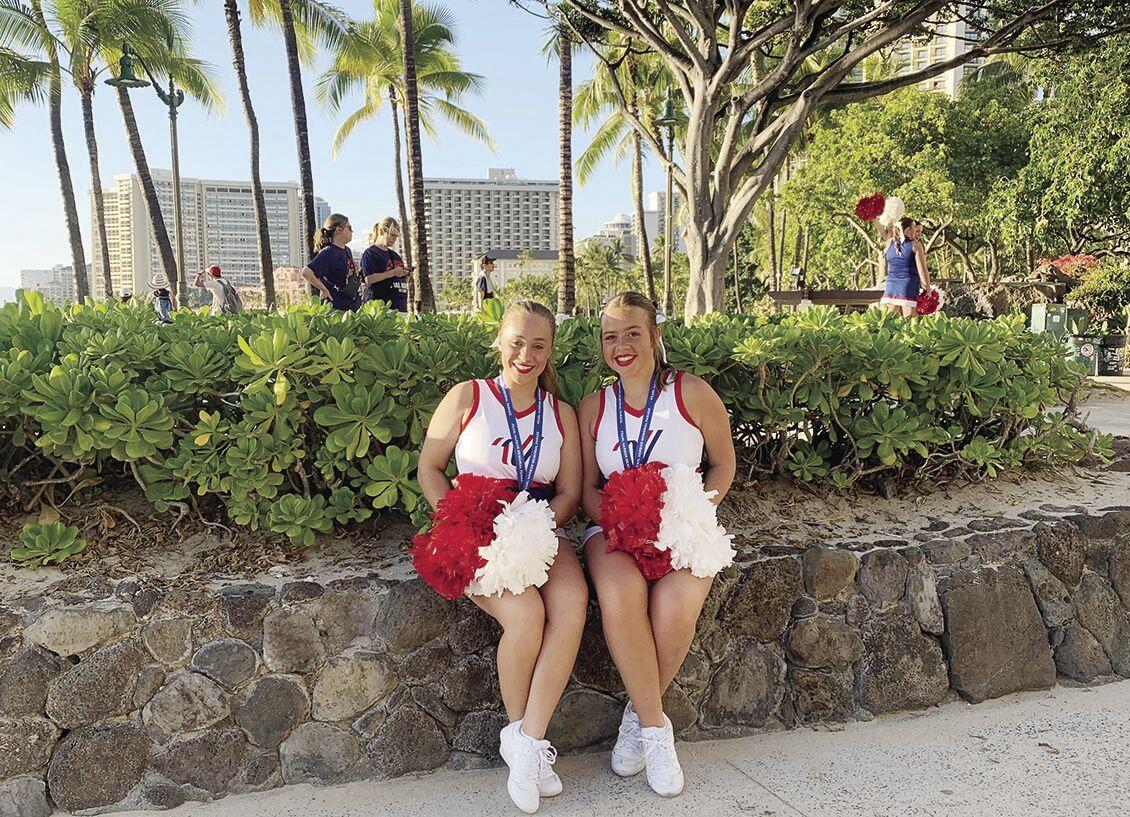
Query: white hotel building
[(56, 284), (218, 228), (465, 218)]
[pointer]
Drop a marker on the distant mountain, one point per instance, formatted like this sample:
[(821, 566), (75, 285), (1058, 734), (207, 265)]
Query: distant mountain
[(7, 294)]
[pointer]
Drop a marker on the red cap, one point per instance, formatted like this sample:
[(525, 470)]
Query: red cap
[(214, 270)]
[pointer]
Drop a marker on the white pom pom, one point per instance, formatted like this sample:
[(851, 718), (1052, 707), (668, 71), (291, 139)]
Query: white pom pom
[(688, 525), (524, 546), (893, 210)]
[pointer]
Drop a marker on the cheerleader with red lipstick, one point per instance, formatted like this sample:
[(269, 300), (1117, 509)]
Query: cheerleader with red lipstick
[(512, 429), (654, 555)]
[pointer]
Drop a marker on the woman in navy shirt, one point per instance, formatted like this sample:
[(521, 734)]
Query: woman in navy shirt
[(383, 269), (333, 271)]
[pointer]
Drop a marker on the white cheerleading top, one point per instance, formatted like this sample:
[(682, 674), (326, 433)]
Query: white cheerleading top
[(484, 442), (673, 438)]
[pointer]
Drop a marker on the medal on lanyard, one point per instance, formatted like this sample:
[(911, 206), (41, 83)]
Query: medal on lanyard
[(636, 458), (523, 464)]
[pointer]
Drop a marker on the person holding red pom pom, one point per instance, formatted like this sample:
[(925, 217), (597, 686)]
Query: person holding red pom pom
[(478, 421), (651, 415)]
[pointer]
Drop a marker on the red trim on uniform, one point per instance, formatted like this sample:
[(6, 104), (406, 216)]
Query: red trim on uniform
[(557, 414), (498, 396), (599, 414), (679, 400), (474, 407)]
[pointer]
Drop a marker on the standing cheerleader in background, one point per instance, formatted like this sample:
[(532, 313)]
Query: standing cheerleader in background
[(513, 428), (907, 275), (654, 555)]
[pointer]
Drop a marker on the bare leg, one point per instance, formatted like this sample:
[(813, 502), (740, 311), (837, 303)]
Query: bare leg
[(909, 311), (566, 600), (522, 618), (622, 592), (676, 601)]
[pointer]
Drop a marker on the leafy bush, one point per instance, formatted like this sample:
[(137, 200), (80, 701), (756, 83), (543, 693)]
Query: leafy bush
[(51, 543), (300, 420), (1105, 291)]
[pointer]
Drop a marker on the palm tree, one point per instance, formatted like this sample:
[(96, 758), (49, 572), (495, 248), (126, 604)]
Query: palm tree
[(165, 53), (90, 32), (566, 262), (262, 233), (644, 82), (424, 297), (22, 79), (371, 60), (315, 20), (27, 26)]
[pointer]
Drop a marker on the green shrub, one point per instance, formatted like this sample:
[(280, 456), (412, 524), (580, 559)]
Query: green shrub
[(51, 543), (300, 420), (1105, 291)]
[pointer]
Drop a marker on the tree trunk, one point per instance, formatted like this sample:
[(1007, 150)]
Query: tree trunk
[(301, 131), (263, 235), (994, 262), (62, 166), (643, 247), (966, 262), (804, 254), (86, 92), (148, 190), (566, 283), (784, 238), (771, 239), (737, 286), (424, 298), (398, 176), (1029, 256)]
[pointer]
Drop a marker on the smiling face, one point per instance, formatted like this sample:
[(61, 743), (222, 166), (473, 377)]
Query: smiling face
[(525, 346), (628, 340)]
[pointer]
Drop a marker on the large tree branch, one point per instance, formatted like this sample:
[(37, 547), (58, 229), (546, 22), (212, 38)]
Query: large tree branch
[(856, 91), (692, 50)]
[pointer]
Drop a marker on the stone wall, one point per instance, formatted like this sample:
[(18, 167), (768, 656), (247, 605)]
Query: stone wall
[(139, 696)]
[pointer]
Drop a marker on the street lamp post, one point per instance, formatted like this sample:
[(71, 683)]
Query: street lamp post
[(668, 121), (173, 99)]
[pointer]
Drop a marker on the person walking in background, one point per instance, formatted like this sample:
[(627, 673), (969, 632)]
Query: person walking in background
[(162, 297), (483, 287), (225, 300), (905, 262), (333, 272), (383, 269)]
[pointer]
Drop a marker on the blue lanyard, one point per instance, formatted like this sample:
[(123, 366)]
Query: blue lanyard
[(636, 458), (523, 464)]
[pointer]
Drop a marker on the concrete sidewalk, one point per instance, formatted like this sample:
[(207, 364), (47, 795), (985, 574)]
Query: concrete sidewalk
[(1059, 753)]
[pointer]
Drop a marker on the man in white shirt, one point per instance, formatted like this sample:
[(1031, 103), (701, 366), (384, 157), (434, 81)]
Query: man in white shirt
[(224, 296)]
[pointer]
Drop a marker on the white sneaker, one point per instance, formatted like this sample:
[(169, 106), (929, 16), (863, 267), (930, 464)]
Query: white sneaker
[(529, 760), (627, 754), (664, 774), (549, 785)]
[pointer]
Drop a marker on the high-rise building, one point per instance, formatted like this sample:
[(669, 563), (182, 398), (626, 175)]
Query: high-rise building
[(56, 284), (466, 217), (218, 228), (951, 38), (622, 227)]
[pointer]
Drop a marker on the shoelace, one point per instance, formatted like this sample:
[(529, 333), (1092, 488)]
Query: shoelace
[(631, 732), (538, 758), (663, 751)]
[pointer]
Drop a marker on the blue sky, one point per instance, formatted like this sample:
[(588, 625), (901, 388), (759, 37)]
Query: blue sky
[(495, 39)]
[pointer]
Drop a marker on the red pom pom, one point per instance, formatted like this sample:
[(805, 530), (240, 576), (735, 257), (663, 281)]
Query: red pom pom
[(447, 556), (629, 515), (928, 303), (870, 207)]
